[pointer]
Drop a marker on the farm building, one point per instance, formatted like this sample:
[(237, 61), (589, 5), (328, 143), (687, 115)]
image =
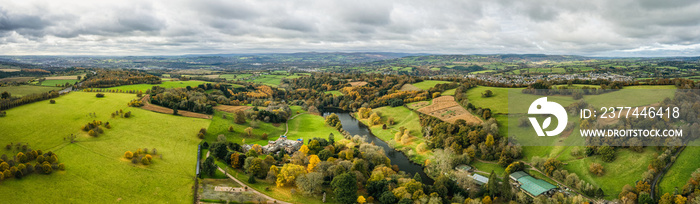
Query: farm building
[(532, 186)]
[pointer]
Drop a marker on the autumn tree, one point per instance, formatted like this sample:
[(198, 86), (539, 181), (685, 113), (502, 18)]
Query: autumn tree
[(374, 119), (310, 183), (127, 155), (288, 174), (249, 131), (313, 162), (596, 168), (240, 117)]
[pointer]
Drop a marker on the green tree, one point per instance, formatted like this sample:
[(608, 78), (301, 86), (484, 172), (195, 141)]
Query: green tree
[(345, 188), (240, 117), (209, 167), (387, 198), (310, 183)]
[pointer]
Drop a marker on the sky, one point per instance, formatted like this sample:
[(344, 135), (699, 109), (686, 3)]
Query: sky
[(602, 28)]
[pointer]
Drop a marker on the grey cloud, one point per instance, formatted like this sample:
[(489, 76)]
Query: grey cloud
[(587, 27)]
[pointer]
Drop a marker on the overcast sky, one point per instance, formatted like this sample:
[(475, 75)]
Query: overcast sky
[(174, 27)]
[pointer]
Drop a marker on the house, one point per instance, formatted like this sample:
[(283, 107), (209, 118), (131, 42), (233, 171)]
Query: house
[(531, 185), (290, 146)]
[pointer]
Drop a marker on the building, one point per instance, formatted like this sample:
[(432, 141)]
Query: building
[(532, 186), (289, 146), (463, 167), (479, 179)]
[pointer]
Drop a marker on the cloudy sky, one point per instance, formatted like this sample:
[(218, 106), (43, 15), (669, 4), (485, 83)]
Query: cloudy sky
[(174, 27)]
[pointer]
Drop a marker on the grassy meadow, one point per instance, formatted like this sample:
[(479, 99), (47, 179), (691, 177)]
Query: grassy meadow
[(164, 84), (95, 168), (427, 84), (403, 117), (58, 82), (23, 90), (677, 176)]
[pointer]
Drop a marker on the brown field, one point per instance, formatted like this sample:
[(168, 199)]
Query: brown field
[(358, 83), (9, 70), (161, 109), (16, 79), (410, 87), (447, 109), (231, 109), (64, 77)]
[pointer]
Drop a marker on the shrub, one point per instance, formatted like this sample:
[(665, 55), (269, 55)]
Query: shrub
[(596, 169), (145, 161), (127, 114), (99, 95), (3, 113), (264, 136), (52, 101), (61, 167), (230, 128), (92, 133), (149, 157), (128, 155)]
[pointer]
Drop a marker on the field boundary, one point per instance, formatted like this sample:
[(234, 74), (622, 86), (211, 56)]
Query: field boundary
[(161, 109)]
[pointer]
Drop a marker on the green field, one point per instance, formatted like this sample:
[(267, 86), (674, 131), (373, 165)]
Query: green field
[(403, 117), (450, 92), (686, 163), (95, 169), (576, 86), (335, 93), (23, 90), (165, 84), (60, 82), (427, 84), (304, 126), (266, 79), (626, 169)]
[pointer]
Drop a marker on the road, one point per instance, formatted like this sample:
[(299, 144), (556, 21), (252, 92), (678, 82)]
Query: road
[(250, 189)]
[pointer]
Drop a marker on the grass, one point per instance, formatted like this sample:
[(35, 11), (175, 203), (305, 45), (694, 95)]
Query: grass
[(450, 92), (95, 170), (427, 84), (403, 117), (23, 90), (60, 82), (266, 79), (335, 93), (219, 126), (488, 167), (308, 126), (677, 176), (165, 84), (280, 193), (626, 169)]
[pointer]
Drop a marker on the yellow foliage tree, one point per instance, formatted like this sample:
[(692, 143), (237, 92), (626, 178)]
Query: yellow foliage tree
[(486, 200), (361, 200), (257, 148), (489, 140), (289, 173), (304, 149), (374, 119), (313, 162), (128, 155)]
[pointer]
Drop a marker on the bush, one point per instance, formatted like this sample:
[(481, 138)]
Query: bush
[(92, 133), (145, 161), (52, 101), (3, 113), (264, 136), (99, 95), (128, 155)]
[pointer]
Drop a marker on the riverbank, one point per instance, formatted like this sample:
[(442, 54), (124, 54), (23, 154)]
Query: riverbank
[(352, 126)]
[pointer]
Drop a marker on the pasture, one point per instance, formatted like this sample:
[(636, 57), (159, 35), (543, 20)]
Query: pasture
[(95, 168), (677, 176), (403, 117), (23, 90), (427, 84), (58, 82), (165, 84)]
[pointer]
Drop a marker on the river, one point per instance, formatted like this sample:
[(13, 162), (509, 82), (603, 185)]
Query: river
[(355, 127)]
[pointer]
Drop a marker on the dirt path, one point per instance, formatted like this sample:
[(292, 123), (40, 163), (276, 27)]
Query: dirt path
[(286, 124), (269, 199)]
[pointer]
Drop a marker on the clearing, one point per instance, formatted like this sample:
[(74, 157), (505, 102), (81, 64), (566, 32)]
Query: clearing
[(23, 90)]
